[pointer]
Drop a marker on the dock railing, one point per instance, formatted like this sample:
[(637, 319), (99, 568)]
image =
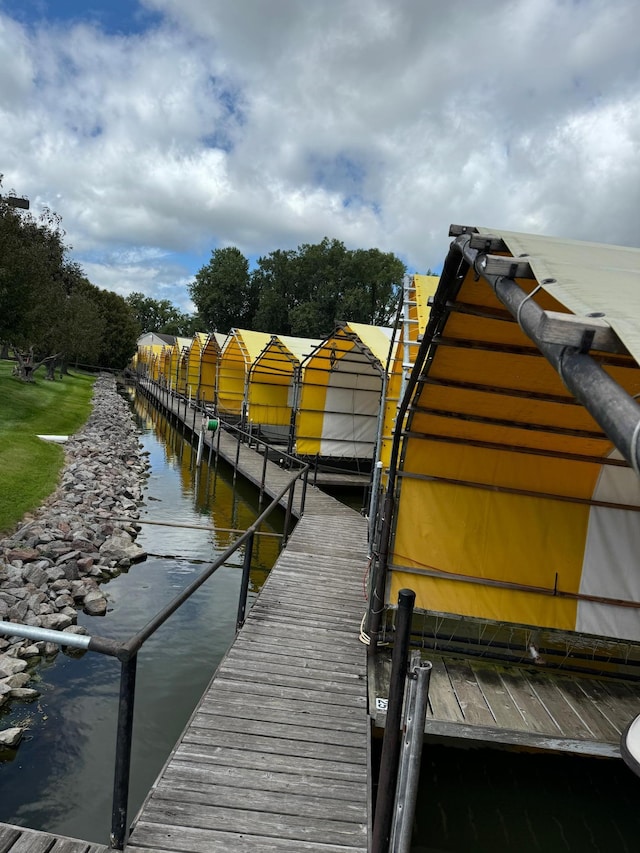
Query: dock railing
[(127, 652)]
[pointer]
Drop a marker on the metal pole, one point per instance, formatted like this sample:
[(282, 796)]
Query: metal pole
[(244, 585), (287, 515), (305, 483), (411, 757), (122, 770), (264, 473), (388, 775)]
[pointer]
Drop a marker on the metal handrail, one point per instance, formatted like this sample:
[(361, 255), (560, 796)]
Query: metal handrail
[(126, 652)]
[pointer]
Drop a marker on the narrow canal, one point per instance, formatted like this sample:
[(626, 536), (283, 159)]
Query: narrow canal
[(61, 777)]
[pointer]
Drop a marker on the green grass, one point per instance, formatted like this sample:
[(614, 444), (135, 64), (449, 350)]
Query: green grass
[(30, 467)]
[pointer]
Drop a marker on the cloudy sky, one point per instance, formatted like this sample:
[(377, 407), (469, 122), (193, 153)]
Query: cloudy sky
[(162, 129)]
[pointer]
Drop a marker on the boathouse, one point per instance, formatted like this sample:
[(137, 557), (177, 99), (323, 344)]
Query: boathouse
[(513, 500), (339, 405), (240, 351), (274, 387)]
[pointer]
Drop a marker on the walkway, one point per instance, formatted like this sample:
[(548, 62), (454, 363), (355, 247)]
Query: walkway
[(275, 757), (16, 839)]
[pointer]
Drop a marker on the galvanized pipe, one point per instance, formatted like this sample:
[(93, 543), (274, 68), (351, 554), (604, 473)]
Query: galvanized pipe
[(606, 401), (388, 775), (45, 635), (411, 757)]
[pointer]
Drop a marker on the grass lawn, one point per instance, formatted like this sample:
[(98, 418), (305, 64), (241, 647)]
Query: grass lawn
[(29, 467)]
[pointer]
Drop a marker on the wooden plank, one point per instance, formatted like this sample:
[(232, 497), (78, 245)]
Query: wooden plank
[(8, 835), (31, 842), (587, 710), (278, 729), (275, 745), (469, 695), (251, 778), (201, 816), (498, 698), (226, 755), (535, 714), (350, 702), (258, 799), (163, 839), (570, 725), (443, 701)]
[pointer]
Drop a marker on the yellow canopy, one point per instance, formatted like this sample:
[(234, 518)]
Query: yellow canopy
[(340, 394), (242, 347), (512, 505)]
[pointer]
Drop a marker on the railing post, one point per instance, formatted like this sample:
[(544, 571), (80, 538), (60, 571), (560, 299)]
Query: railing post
[(305, 483), (287, 515), (244, 584), (388, 776), (264, 474), (123, 754)]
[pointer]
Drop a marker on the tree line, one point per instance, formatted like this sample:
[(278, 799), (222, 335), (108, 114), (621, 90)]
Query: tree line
[(301, 292), (50, 313)]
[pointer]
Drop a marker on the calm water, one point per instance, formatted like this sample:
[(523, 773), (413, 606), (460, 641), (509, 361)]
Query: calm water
[(62, 775), (470, 801)]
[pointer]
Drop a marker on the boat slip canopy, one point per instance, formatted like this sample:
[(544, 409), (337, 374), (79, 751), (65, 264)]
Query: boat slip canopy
[(241, 349), (274, 382), (340, 395), (515, 497)]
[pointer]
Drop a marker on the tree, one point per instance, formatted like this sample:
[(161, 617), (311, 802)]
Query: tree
[(305, 292), (223, 292), (120, 334)]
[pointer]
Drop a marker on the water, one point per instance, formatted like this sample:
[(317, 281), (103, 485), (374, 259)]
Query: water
[(61, 777)]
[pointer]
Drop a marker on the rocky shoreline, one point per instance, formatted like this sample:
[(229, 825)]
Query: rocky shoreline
[(53, 564)]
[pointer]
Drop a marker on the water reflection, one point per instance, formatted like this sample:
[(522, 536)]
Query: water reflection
[(61, 777)]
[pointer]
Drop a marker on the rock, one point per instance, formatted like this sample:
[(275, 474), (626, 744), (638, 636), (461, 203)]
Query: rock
[(10, 738), (24, 694), (10, 665), (17, 680), (95, 604)]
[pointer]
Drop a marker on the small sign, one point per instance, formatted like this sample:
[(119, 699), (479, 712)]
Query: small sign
[(382, 704)]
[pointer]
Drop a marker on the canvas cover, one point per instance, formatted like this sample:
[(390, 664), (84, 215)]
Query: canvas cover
[(340, 393), (511, 504)]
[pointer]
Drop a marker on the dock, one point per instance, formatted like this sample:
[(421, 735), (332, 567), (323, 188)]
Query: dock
[(276, 755), (525, 707), (17, 839)]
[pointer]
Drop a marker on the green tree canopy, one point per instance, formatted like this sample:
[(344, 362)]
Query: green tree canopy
[(47, 306), (222, 291), (305, 292), (153, 315), (298, 292)]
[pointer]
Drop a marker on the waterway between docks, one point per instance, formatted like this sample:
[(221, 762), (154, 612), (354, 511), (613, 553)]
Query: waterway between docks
[(61, 777), (60, 780)]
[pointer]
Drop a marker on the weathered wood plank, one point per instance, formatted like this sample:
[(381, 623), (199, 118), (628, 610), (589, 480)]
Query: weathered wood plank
[(257, 800), (305, 767), (253, 779), (162, 839), (275, 745), (200, 816), (587, 710), (278, 729), (442, 698), (559, 709), (8, 835), (498, 698), (469, 695), (351, 703), (538, 720)]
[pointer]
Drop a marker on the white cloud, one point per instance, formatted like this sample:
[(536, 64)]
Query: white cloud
[(379, 122)]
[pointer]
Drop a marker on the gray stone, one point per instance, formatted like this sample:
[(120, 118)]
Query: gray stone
[(10, 738), (95, 604)]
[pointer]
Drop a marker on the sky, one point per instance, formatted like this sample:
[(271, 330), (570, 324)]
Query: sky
[(160, 130)]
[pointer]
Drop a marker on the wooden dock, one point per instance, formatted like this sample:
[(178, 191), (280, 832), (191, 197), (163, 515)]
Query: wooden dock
[(519, 706), (16, 839), (275, 756)]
